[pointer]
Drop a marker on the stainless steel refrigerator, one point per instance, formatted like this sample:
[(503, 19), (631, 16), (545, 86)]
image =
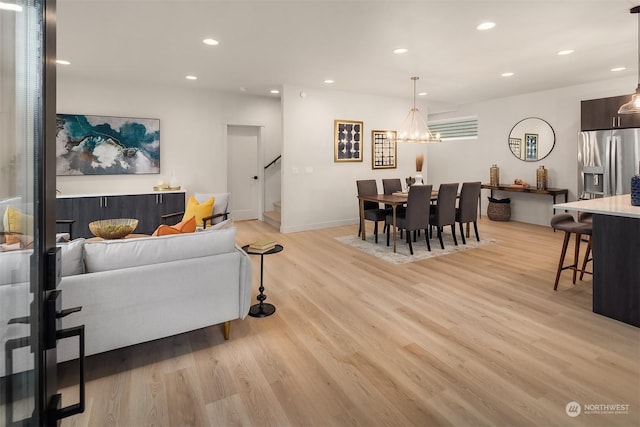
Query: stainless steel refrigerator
[(607, 159)]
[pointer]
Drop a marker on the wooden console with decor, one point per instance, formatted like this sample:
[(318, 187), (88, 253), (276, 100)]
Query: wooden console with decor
[(554, 192), (146, 207)]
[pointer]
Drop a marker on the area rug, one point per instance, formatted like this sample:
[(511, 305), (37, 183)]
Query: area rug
[(402, 256)]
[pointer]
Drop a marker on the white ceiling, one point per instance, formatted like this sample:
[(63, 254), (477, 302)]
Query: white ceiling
[(265, 44)]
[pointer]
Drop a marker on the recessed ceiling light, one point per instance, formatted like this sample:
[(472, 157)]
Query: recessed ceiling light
[(191, 78), (619, 69), (211, 42), (422, 94), (507, 74), (62, 62), (329, 81), (274, 91), (565, 52), (400, 50), (10, 6), (486, 26)]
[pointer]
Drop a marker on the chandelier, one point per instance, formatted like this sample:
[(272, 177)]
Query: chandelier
[(414, 128), (633, 106)]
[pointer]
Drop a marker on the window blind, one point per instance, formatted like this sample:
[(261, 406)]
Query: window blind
[(454, 129)]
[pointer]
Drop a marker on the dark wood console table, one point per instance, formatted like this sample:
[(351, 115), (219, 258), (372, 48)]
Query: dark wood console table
[(554, 192)]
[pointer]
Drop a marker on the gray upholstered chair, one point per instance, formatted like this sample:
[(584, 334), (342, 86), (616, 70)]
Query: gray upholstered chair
[(467, 210), (444, 212), (390, 186), (372, 210), (416, 216)]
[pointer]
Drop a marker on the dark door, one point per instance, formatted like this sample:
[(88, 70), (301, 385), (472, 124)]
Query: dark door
[(29, 296)]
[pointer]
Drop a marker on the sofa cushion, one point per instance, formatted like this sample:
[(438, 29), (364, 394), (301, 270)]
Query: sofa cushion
[(14, 267), (72, 257), (199, 209), (220, 206), (15, 221), (227, 223), (184, 226), (4, 204), (108, 255)]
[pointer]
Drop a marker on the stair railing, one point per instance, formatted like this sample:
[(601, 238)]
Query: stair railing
[(273, 162)]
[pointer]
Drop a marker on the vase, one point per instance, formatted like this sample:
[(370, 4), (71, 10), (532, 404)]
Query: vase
[(541, 178), (418, 179), (494, 175)]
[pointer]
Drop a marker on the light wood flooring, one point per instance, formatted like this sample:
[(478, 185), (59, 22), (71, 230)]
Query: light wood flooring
[(469, 339)]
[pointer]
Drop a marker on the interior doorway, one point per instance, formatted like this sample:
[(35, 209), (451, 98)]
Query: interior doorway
[(244, 174)]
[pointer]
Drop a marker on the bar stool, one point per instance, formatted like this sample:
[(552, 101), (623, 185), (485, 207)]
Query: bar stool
[(566, 223)]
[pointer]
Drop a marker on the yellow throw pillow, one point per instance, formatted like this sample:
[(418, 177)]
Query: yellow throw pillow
[(199, 210), (187, 226), (15, 221)]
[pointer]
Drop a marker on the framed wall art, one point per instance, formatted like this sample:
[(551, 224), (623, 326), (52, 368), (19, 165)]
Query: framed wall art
[(104, 145), (514, 145), (347, 144), (531, 146), (384, 150)]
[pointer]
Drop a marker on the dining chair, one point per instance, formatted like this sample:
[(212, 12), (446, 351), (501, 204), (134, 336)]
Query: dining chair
[(467, 210), (416, 215), (444, 212), (372, 210), (390, 186)]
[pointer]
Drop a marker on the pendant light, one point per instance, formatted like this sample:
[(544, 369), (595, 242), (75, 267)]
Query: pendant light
[(633, 106), (414, 128)]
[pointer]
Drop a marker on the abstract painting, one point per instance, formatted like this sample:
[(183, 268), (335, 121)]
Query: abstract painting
[(103, 145), (383, 149), (347, 144)]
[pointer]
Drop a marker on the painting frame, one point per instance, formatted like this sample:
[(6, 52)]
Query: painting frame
[(348, 144), (106, 145), (384, 150), (515, 145), (531, 146)]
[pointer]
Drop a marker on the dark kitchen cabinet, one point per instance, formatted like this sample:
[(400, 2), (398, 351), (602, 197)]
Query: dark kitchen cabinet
[(146, 208), (596, 114)]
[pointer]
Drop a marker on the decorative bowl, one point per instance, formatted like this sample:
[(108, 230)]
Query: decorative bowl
[(113, 228)]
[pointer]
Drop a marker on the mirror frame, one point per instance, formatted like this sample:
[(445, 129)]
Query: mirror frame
[(513, 141)]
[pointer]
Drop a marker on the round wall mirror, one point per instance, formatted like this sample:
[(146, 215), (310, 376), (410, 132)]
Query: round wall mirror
[(531, 139)]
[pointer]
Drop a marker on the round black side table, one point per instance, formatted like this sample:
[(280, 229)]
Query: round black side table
[(262, 309)]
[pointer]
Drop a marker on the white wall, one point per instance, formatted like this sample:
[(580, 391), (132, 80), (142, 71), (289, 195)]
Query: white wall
[(327, 196), (471, 160), (193, 127), (192, 132)]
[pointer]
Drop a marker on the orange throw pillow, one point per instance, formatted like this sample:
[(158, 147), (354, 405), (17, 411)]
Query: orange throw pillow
[(186, 226)]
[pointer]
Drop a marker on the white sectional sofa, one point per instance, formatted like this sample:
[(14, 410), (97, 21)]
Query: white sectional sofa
[(136, 290)]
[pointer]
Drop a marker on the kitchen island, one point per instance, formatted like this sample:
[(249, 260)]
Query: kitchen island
[(616, 256)]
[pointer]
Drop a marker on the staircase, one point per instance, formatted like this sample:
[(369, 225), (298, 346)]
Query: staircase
[(273, 217)]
